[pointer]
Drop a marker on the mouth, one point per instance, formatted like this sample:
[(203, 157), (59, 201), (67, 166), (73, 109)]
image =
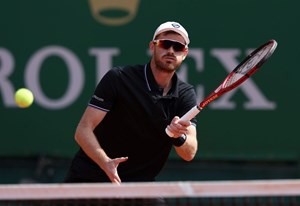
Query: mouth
[(172, 58)]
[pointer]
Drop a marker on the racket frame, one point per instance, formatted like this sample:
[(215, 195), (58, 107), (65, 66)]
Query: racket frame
[(221, 89)]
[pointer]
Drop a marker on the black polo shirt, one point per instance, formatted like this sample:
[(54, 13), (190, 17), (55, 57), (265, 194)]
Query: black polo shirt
[(134, 126)]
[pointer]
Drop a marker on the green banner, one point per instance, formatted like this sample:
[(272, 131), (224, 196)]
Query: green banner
[(61, 49)]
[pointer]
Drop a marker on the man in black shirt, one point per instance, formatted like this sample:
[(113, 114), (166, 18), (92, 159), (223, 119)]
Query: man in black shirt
[(122, 131)]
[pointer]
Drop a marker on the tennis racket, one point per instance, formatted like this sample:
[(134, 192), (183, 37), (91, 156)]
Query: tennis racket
[(241, 73)]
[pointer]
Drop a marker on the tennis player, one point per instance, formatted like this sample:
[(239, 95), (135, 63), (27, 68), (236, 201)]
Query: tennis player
[(122, 132)]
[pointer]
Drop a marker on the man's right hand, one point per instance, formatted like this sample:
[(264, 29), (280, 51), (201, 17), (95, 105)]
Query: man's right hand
[(110, 168)]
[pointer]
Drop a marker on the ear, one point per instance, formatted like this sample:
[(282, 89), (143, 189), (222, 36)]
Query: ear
[(185, 53), (151, 47)]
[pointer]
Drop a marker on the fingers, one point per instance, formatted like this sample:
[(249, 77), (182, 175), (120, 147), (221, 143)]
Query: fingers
[(112, 171), (184, 123), (116, 180), (178, 126), (120, 159)]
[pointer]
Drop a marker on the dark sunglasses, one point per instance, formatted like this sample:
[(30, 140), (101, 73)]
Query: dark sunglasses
[(166, 44)]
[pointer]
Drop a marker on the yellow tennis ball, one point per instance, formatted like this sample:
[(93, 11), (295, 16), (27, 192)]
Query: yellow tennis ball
[(24, 97)]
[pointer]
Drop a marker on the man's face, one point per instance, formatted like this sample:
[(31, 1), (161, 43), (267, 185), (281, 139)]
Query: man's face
[(168, 51)]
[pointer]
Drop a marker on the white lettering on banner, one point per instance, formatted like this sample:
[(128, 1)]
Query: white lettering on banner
[(198, 56), (257, 100), (76, 76), (6, 69), (104, 62)]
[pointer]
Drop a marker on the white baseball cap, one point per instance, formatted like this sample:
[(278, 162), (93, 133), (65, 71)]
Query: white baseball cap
[(172, 26)]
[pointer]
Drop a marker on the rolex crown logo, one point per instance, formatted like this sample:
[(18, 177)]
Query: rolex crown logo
[(114, 12)]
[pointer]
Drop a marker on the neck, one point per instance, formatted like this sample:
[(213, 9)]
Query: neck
[(167, 88), (162, 78)]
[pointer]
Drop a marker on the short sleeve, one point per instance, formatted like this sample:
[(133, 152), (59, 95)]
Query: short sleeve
[(106, 91)]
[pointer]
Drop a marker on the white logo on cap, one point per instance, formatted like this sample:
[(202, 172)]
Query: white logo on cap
[(175, 25)]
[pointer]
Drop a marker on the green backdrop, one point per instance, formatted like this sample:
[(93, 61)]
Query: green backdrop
[(60, 49)]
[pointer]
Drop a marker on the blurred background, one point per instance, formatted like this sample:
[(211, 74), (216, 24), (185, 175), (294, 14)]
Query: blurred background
[(61, 49)]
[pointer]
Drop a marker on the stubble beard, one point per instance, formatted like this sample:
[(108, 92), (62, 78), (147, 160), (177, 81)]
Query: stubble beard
[(166, 66)]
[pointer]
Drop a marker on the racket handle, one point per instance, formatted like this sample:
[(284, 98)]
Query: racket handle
[(191, 114), (187, 117)]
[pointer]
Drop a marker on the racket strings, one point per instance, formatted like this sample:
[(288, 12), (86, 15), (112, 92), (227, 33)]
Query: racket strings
[(244, 68)]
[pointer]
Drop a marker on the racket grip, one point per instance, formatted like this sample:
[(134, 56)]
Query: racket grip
[(187, 117), (191, 114)]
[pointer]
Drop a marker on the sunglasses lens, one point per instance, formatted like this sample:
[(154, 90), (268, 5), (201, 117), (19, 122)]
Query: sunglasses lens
[(178, 47), (166, 44)]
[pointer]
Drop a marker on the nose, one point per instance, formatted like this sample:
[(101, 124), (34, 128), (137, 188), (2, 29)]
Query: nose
[(171, 50)]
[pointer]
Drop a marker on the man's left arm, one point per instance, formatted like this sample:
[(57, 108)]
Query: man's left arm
[(185, 138)]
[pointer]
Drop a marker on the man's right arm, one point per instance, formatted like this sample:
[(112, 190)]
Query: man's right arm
[(87, 140)]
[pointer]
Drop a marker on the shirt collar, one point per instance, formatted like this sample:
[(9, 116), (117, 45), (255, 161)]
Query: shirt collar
[(153, 86)]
